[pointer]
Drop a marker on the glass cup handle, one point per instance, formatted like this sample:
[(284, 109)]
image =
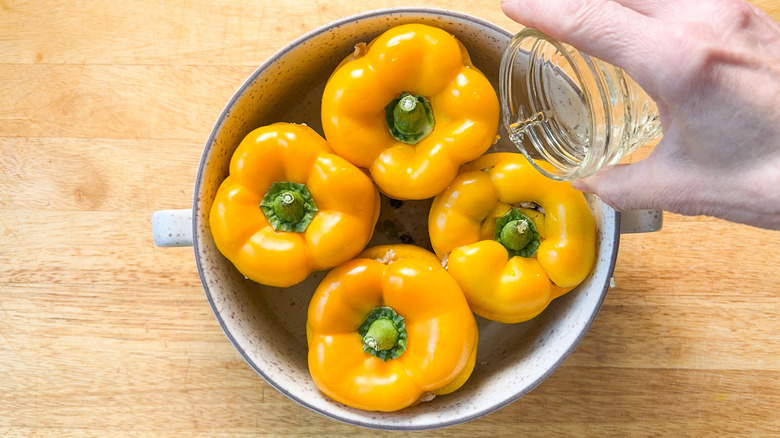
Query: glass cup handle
[(172, 227), (641, 221)]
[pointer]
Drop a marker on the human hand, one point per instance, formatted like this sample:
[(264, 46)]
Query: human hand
[(713, 69)]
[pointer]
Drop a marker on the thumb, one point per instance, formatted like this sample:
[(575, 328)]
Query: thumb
[(625, 186)]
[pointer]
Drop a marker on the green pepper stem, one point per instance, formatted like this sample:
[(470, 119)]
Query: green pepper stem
[(288, 206), (409, 118), (406, 107), (383, 333), (517, 233)]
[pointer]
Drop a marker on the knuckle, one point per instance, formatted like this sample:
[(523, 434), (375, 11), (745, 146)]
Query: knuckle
[(580, 17), (574, 15), (620, 201), (692, 56)]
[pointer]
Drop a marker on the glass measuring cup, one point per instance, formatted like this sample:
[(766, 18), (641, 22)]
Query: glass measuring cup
[(574, 111)]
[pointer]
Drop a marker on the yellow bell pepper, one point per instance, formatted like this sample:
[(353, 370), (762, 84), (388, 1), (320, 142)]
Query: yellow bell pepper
[(290, 206), (389, 329), (513, 239), (411, 108)]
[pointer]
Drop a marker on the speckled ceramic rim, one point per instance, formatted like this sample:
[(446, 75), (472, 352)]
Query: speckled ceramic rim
[(196, 217)]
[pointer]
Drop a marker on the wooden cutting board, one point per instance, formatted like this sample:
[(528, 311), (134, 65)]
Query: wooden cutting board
[(104, 110)]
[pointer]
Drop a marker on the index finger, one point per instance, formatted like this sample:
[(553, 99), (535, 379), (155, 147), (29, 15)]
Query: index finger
[(661, 9), (602, 28)]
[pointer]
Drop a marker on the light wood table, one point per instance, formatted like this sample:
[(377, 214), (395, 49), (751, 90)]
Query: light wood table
[(104, 110)]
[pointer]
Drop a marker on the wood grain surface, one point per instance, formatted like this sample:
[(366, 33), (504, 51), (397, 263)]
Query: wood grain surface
[(104, 110)]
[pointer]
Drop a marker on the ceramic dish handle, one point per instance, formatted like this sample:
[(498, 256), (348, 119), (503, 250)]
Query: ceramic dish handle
[(641, 221), (172, 227)]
